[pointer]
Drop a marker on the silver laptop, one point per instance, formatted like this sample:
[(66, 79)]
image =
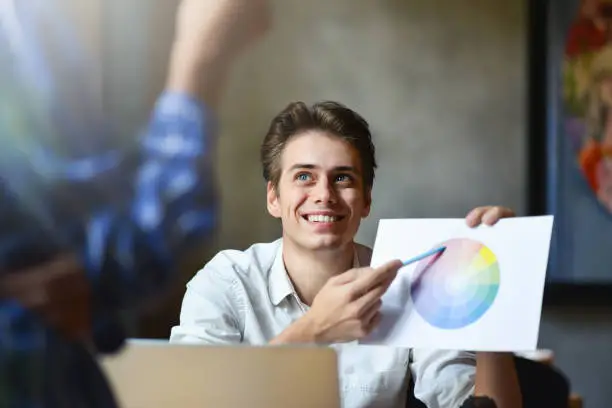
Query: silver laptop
[(156, 374)]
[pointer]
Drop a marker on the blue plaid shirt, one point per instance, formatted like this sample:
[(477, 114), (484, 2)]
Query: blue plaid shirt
[(128, 207)]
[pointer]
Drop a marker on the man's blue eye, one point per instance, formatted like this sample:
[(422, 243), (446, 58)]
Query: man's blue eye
[(303, 177), (342, 178)]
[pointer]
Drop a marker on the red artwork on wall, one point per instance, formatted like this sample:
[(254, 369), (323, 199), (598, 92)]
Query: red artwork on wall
[(587, 94)]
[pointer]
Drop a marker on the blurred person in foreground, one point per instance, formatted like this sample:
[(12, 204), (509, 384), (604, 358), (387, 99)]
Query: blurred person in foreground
[(91, 231)]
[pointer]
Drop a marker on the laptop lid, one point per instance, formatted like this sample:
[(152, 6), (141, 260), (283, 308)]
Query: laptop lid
[(152, 374)]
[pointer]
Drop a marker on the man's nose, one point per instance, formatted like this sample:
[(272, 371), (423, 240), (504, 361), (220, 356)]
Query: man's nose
[(324, 192)]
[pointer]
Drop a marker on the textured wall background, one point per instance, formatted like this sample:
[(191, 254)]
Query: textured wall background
[(441, 82)]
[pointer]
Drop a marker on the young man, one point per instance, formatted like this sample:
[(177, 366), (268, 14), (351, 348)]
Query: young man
[(91, 230), (314, 285)]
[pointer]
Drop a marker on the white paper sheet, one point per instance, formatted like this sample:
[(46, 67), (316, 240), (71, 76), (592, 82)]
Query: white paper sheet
[(483, 293)]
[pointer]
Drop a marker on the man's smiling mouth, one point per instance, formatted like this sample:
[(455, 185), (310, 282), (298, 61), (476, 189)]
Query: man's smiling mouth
[(323, 218)]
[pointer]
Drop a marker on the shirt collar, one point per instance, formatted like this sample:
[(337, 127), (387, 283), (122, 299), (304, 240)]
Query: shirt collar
[(279, 284)]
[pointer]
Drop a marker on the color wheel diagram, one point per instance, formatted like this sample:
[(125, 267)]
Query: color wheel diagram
[(454, 289)]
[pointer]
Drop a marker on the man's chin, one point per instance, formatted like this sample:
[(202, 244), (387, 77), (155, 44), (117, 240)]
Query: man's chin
[(328, 243), (320, 242)]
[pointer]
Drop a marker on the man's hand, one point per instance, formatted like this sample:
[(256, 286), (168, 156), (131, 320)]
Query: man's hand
[(56, 291), (221, 28), (488, 215), (346, 308), (210, 34)]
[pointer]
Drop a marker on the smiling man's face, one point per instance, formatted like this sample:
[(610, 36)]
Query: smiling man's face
[(320, 197)]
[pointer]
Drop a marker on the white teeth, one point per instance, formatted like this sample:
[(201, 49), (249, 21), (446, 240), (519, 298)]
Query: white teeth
[(322, 218)]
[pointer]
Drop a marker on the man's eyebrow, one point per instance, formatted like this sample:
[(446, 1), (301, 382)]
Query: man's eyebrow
[(302, 166), (347, 168)]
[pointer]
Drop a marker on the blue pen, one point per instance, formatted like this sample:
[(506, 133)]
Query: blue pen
[(424, 255)]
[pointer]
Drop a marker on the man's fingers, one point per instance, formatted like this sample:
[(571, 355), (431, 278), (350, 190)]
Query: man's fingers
[(495, 214), (488, 215), (372, 277), (369, 300), (373, 322), (371, 297), (474, 217), (371, 312)]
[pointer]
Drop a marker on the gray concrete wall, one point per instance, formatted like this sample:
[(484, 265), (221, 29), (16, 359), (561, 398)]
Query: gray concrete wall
[(443, 84)]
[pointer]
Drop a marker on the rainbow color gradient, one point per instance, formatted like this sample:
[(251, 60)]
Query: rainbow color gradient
[(454, 289)]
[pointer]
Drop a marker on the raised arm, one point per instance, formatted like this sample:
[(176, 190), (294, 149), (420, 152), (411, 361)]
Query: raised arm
[(129, 212), (133, 248)]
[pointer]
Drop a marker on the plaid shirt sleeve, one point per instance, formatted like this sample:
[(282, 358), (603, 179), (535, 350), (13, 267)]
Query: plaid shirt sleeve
[(129, 209), (165, 203)]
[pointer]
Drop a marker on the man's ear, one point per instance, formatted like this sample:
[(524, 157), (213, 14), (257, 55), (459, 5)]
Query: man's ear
[(272, 200), (368, 202)]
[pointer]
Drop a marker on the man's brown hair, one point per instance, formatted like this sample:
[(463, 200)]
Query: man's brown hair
[(328, 116)]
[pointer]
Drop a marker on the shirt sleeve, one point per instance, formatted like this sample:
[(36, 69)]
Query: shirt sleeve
[(160, 200), (130, 207), (211, 311), (443, 378)]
